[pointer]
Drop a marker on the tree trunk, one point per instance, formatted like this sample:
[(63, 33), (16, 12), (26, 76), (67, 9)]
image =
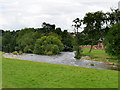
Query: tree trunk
[(91, 46), (78, 43)]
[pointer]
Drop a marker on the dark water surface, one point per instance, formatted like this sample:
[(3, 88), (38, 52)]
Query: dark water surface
[(65, 58)]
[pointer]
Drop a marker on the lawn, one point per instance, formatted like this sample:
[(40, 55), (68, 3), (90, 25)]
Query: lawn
[(29, 74), (99, 55)]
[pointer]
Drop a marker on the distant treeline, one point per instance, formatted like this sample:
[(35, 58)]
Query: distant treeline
[(97, 25), (25, 39)]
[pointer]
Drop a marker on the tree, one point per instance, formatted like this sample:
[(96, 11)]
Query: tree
[(8, 42), (112, 41), (48, 27), (58, 31), (94, 24), (84, 38), (25, 40), (67, 40), (77, 24), (54, 34), (48, 45), (113, 17)]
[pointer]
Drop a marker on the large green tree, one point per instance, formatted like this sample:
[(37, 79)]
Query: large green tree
[(94, 25), (48, 45), (113, 17), (77, 24), (112, 41), (8, 42), (48, 27), (25, 40), (67, 40)]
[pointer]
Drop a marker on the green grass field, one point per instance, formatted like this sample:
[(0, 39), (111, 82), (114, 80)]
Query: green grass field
[(29, 74), (99, 55)]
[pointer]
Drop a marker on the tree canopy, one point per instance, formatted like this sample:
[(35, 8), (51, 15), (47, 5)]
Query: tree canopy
[(112, 41), (25, 39), (48, 45), (96, 26)]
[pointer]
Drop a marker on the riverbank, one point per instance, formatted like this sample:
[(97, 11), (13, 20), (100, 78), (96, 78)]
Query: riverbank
[(29, 74), (99, 55), (65, 58)]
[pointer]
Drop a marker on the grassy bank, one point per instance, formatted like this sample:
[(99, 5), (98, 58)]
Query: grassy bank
[(99, 55), (29, 74)]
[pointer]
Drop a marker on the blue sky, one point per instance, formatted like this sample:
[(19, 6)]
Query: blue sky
[(18, 14)]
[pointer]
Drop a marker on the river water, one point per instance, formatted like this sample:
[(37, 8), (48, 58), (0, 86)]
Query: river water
[(65, 58)]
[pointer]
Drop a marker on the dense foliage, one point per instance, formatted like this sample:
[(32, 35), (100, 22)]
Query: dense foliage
[(48, 45), (26, 39), (8, 42), (112, 41), (67, 40), (96, 26), (99, 23)]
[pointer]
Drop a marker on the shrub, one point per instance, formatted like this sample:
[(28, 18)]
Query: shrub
[(15, 52), (28, 49), (77, 55), (55, 49), (49, 53), (16, 48), (78, 52), (20, 52), (92, 64), (48, 45)]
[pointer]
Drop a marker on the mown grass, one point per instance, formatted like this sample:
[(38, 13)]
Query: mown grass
[(99, 55), (29, 74)]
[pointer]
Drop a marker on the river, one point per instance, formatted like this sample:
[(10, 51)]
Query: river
[(65, 58)]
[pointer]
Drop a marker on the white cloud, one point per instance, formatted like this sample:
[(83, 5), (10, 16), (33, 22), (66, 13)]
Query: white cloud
[(17, 14)]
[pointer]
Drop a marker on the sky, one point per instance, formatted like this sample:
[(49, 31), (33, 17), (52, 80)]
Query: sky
[(18, 14)]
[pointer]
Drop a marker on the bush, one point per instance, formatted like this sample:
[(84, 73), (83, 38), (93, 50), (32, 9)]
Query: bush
[(55, 49), (28, 49), (92, 64), (15, 52), (51, 49), (20, 52), (78, 52), (77, 55), (112, 41), (49, 53), (17, 48), (48, 45)]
